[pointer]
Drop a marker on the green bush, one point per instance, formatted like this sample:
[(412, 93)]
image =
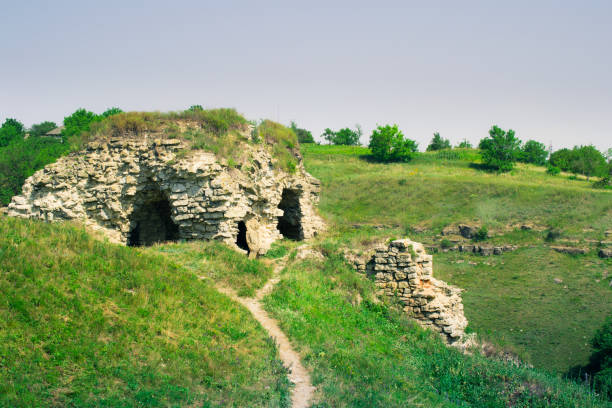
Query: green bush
[(604, 183), (345, 136), (445, 243), (552, 170), (438, 143), (79, 122), (303, 135), (482, 234), (533, 152), (283, 141), (10, 131), (464, 144), (585, 160), (388, 145), (500, 150), (20, 159), (552, 235)]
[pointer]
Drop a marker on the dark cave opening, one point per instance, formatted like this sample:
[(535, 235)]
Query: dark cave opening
[(290, 223), (241, 239), (151, 222)]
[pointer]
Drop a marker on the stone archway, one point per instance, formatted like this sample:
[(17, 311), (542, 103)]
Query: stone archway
[(290, 223), (151, 221)]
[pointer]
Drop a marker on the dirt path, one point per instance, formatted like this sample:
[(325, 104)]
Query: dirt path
[(301, 394)]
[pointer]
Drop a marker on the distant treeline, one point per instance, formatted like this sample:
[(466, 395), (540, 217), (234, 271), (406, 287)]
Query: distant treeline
[(500, 151)]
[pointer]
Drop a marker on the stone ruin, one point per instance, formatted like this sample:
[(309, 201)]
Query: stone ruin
[(143, 191), (404, 271)]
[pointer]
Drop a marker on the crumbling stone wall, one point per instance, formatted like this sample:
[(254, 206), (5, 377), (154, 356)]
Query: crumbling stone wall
[(403, 270), (141, 191)]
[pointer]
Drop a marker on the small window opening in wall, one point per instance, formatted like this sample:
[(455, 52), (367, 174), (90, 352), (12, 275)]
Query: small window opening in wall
[(241, 239), (290, 223)]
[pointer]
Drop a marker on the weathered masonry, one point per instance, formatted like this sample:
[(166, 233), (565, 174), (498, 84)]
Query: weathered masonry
[(403, 270), (139, 192)]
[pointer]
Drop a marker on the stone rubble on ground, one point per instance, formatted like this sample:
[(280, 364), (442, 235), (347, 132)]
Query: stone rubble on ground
[(570, 250), (605, 253), (403, 269)]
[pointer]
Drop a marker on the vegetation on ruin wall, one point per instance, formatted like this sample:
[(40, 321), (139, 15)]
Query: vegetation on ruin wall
[(87, 323), (363, 353), (511, 299), (220, 131)]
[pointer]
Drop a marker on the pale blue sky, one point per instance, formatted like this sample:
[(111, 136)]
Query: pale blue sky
[(543, 68)]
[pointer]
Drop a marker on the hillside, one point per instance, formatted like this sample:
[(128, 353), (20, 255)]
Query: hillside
[(86, 322), (511, 299)]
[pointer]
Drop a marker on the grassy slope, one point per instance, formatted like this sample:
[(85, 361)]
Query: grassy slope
[(364, 354), (87, 323), (517, 304)]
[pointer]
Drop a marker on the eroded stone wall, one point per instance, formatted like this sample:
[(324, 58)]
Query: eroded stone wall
[(140, 191), (402, 269)]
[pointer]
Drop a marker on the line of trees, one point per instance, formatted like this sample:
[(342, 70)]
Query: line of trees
[(500, 150)]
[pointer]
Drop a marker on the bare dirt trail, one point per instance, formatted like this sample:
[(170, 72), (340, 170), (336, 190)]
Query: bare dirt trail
[(301, 394)]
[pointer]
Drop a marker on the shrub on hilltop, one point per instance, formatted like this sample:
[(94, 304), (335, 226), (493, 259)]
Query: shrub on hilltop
[(303, 135), (500, 150), (345, 136), (438, 143), (388, 145), (586, 160), (533, 152), (464, 144)]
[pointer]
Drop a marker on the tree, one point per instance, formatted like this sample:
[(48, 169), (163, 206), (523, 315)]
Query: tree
[(562, 159), (41, 129), (589, 161), (464, 144), (79, 122), (11, 130), (328, 135), (22, 158), (194, 108), (303, 135), (111, 112), (388, 144), (345, 136), (533, 152), (438, 143), (500, 150)]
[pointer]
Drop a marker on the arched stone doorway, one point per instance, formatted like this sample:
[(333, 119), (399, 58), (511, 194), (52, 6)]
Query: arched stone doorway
[(151, 221), (290, 223)]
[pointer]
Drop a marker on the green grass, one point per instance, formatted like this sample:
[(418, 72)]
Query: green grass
[(429, 194), (365, 354), (86, 323), (521, 307), (218, 263), (222, 131)]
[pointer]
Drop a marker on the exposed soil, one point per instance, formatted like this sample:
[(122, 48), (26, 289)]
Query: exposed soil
[(301, 394)]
